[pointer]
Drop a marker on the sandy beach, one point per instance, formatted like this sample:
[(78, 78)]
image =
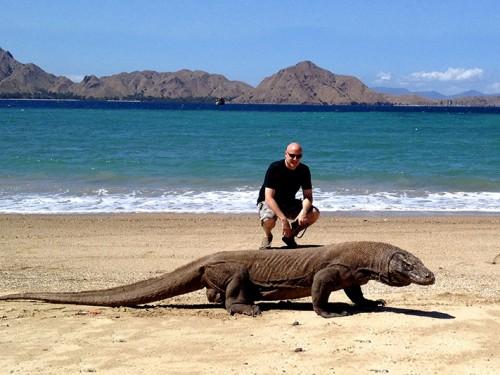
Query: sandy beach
[(450, 327)]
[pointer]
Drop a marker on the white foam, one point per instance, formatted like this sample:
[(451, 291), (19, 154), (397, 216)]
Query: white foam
[(405, 202), (243, 201)]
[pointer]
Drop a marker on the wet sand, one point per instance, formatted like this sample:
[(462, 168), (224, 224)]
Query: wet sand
[(450, 327)]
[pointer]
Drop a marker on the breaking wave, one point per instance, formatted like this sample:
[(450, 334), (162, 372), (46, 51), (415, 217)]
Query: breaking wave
[(243, 201)]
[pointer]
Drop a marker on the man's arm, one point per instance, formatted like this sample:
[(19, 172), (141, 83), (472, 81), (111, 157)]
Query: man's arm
[(273, 205), (306, 206)]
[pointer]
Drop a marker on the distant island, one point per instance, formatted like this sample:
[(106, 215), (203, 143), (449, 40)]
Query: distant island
[(303, 83)]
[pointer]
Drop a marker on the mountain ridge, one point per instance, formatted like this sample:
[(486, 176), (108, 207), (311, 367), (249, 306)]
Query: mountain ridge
[(302, 83)]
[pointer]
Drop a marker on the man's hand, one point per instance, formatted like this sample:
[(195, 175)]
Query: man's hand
[(306, 207), (287, 229), (302, 218)]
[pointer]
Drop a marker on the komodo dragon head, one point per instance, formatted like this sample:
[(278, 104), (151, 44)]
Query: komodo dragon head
[(404, 268)]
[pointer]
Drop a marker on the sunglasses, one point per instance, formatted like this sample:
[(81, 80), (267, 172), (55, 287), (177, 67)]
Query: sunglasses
[(295, 156)]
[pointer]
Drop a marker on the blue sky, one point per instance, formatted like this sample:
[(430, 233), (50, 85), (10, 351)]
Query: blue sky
[(449, 46)]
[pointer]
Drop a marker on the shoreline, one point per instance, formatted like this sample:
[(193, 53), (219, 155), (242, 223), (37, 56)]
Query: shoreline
[(414, 214), (207, 101), (449, 327), (216, 200)]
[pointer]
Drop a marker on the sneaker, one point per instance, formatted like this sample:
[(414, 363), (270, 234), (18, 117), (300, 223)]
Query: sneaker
[(266, 243), (290, 242)]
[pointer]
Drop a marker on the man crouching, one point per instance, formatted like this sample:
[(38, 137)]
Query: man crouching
[(277, 199)]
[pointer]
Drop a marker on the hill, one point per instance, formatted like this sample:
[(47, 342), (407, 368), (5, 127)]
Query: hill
[(184, 84), (307, 83), (19, 80)]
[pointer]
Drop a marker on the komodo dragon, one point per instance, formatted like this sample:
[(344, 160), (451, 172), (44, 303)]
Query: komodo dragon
[(241, 277)]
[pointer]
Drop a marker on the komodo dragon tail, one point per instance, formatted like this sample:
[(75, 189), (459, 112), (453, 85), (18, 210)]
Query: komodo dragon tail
[(183, 280)]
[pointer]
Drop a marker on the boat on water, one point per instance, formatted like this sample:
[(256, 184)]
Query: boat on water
[(220, 101)]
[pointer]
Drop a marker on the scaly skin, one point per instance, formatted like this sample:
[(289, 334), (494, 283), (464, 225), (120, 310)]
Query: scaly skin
[(239, 278)]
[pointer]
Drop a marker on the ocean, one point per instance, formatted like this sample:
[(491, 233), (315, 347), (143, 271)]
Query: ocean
[(93, 157)]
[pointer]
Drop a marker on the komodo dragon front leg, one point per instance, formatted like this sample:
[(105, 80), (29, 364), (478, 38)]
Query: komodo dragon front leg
[(230, 283), (324, 282), (336, 277), (356, 295)]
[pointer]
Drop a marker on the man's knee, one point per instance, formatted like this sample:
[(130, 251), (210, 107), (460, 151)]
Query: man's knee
[(268, 223), (265, 213)]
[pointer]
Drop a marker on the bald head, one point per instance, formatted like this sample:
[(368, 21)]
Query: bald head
[(293, 154), (294, 147)]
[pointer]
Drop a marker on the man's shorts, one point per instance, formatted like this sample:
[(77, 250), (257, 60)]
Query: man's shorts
[(291, 210)]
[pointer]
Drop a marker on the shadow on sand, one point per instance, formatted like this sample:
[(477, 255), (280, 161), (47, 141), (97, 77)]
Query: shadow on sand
[(304, 306), (284, 247)]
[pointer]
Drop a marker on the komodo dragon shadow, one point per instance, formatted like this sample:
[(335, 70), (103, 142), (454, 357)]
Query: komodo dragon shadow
[(341, 307), (239, 278), (354, 309)]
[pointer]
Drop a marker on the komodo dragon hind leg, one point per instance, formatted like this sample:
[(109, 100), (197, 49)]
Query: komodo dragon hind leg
[(215, 296), (238, 296)]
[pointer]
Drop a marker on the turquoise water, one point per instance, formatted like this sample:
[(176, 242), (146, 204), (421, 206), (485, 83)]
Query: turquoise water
[(95, 160)]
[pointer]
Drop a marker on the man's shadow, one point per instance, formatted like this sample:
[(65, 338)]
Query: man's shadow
[(284, 247)]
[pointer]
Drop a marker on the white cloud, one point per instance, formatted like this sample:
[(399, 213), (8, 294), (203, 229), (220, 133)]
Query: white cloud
[(383, 77), (452, 74)]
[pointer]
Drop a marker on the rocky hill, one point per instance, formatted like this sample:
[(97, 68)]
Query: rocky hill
[(307, 83), (303, 83), (28, 80), (17, 79), (184, 84)]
